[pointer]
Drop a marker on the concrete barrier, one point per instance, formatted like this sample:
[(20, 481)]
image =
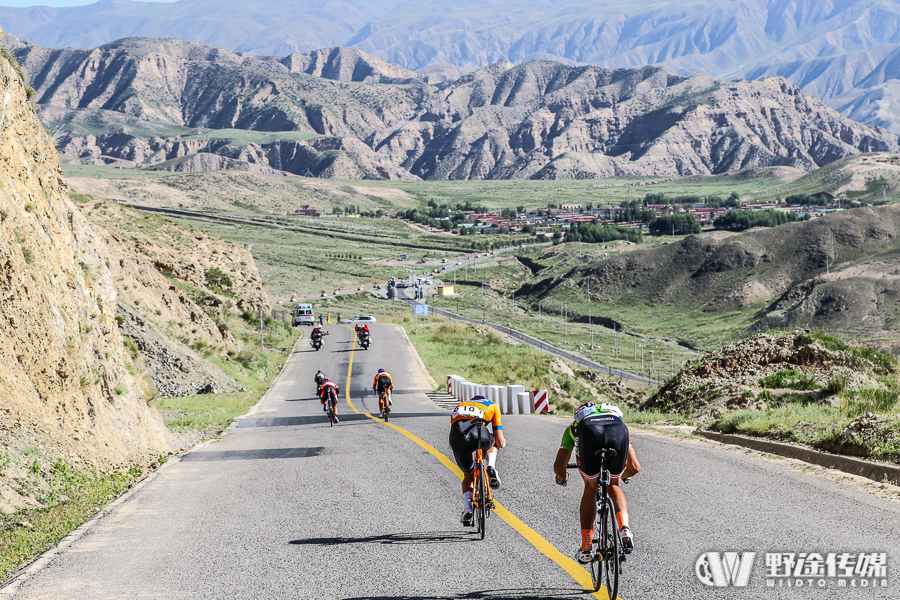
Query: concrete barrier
[(457, 386), (523, 399), (512, 398), (499, 398)]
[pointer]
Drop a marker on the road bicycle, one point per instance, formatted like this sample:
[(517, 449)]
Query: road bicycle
[(609, 553), (384, 404), (482, 500), (330, 403)]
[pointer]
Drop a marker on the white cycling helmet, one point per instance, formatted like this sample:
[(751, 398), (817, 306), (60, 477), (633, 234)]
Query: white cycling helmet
[(607, 407), (583, 411)]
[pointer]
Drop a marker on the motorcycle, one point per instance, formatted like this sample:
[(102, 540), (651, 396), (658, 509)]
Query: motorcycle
[(316, 343), (364, 340)]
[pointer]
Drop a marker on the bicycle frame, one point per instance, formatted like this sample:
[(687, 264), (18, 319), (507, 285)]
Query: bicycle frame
[(482, 498)]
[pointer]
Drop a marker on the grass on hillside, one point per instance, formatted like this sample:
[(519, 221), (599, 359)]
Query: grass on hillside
[(70, 497), (254, 368)]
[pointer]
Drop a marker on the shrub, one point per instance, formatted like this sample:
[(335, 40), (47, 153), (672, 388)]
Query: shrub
[(791, 379), (218, 279), (837, 383)]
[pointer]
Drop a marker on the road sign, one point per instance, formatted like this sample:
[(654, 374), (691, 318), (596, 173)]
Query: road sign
[(420, 310)]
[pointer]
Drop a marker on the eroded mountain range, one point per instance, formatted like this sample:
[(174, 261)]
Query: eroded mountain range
[(142, 100), (828, 48)]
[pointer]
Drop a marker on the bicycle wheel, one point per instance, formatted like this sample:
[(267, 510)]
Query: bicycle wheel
[(610, 550), (481, 509), (331, 416)]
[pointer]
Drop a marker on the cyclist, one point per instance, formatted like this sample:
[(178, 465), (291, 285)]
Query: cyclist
[(464, 441), (383, 383), (328, 386), (594, 428), (320, 379)]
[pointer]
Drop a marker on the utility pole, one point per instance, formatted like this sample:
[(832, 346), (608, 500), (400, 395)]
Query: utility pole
[(591, 326), (642, 356), (652, 360), (635, 347)]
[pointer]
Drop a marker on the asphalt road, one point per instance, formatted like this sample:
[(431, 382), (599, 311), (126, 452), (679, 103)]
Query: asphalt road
[(285, 506)]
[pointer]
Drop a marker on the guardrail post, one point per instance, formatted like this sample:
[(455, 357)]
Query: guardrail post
[(523, 399)]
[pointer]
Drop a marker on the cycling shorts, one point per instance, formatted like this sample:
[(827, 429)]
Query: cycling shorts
[(464, 441), (597, 432)]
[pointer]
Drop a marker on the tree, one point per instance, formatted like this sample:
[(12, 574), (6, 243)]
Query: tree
[(679, 224), (738, 220)]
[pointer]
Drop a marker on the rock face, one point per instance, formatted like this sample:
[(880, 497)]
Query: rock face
[(540, 120), (62, 361)]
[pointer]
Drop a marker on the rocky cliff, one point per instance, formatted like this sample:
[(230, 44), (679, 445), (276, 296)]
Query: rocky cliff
[(63, 377), (540, 120)]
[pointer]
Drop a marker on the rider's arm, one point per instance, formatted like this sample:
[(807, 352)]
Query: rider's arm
[(564, 454), (632, 465), (559, 465)]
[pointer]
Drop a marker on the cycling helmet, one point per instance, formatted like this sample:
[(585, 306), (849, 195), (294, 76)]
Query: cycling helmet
[(382, 371), (584, 410), (327, 380), (478, 397), (608, 407)]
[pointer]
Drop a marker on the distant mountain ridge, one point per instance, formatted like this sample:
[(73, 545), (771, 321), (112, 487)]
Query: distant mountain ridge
[(538, 120), (848, 39)]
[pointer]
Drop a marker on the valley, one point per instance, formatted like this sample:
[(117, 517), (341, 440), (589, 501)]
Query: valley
[(165, 204)]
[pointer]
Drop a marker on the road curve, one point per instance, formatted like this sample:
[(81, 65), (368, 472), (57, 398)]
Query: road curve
[(285, 506)]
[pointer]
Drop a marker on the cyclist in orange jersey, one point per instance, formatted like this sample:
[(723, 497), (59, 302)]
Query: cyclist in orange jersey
[(465, 439)]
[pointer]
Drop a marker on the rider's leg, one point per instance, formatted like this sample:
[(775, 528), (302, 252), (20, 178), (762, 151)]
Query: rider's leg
[(618, 497), (588, 512), (468, 484)]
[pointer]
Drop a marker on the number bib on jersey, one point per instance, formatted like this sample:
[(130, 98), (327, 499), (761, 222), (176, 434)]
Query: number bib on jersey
[(467, 412)]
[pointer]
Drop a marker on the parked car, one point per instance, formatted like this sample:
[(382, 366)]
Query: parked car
[(363, 319)]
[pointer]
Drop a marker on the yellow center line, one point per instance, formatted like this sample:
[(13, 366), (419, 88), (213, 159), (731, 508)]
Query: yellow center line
[(576, 571)]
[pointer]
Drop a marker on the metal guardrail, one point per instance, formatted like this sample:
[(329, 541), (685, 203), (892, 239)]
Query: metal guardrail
[(542, 345)]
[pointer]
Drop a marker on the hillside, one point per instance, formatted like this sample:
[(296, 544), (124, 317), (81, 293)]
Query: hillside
[(104, 310), (540, 120), (829, 49), (837, 273), (64, 385)]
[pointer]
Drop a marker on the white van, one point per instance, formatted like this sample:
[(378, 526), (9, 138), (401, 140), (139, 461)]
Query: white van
[(303, 315)]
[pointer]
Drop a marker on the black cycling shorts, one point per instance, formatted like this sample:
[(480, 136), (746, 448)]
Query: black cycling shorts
[(464, 441), (597, 432)]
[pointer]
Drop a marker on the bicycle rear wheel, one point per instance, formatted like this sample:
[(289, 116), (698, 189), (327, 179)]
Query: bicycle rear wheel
[(481, 509), (609, 550), (331, 416)]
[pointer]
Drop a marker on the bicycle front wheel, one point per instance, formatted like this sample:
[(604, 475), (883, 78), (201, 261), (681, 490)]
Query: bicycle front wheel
[(609, 541)]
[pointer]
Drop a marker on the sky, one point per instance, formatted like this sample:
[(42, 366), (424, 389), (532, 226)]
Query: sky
[(58, 3)]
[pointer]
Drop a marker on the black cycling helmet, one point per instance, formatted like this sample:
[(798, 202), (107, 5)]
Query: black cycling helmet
[(478, 397)]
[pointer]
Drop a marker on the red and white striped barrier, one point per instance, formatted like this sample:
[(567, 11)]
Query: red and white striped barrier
[(541, 401), (449, 384)]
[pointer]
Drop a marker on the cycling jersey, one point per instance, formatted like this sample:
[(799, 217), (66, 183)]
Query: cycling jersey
[(330, 385), (477, 409), (380, 385)]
